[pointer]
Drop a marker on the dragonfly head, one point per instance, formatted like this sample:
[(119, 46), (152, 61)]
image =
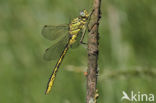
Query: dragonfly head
[(84, 14)]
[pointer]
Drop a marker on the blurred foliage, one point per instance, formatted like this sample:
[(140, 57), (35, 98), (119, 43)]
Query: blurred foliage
[(127, 41)]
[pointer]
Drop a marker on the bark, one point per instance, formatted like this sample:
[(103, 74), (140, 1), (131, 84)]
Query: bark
[(93, 52)]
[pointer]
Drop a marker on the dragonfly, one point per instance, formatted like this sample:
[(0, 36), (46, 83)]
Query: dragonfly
[(70, 35)]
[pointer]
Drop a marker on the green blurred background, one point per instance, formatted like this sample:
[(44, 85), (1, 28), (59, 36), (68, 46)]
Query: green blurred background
[(127, 43)]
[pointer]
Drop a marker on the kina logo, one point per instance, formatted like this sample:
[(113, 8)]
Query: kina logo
[(134, 97)]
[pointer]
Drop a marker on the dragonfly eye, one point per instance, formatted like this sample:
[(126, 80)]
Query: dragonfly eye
[(82, 14)]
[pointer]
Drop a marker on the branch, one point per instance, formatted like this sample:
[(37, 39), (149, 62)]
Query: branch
[(137, 72), (117, 73), (93, 53), (114, 74)]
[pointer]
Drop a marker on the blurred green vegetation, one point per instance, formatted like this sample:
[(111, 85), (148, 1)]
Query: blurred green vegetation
[(127, 42)]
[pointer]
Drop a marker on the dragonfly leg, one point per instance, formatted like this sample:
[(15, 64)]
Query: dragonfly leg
[(85, 29), (83, 34), (85, 45), (81, 42)]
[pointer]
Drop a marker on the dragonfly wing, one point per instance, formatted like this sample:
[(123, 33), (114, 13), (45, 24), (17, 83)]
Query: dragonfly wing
[(54, 52), (54, 32)]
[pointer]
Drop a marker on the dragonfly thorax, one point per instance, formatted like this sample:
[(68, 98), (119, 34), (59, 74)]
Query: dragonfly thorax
[(77, 24)]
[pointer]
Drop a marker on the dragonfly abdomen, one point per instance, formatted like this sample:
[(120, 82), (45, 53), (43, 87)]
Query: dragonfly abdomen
[(53, 75)]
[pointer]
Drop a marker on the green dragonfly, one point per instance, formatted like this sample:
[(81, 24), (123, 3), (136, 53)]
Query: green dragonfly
[(70, 35)]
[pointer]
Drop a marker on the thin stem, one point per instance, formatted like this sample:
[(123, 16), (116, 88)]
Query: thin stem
[(93, 53)]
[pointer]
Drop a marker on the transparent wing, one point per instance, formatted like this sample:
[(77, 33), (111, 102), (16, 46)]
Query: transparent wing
[(54, 32), (56, 49)]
